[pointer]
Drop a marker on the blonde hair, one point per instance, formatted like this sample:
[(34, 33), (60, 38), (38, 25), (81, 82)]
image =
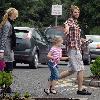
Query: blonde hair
[(7, 14), (57, 39), (73, 7)]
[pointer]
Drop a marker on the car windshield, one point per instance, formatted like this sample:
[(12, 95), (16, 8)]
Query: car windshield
[(94, 38), (20, 33), (52, 32)]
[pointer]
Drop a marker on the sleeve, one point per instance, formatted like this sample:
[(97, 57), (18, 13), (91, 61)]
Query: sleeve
[(69, 22), (5, 31), (51, 50)]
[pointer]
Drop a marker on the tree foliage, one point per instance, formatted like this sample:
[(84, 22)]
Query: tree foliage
[(38, 13)]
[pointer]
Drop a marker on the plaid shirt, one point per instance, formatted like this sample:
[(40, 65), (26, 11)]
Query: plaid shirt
[(73, 36)]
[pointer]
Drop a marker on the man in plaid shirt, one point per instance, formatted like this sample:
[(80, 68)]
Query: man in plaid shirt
[(74, 41)]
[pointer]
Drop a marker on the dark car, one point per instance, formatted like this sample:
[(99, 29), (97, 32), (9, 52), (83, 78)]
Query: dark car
[(31, 47), (52, 32)]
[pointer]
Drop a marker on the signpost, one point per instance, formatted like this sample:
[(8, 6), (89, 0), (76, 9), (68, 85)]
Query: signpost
[(56, 10)]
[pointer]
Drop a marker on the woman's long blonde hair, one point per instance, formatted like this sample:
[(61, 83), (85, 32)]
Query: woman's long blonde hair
[(7, 14)]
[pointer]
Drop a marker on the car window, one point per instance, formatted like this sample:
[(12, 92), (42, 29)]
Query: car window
[(94, 38), (37, 35), (53, 32), (21, 33)]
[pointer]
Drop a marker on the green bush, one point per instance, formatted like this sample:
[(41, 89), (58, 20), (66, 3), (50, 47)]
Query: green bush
[(95, 68), (5, 78)]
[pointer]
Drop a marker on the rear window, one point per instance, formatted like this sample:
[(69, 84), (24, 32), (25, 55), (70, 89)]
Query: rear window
[(94, 38), (21, 33), (54, 32)]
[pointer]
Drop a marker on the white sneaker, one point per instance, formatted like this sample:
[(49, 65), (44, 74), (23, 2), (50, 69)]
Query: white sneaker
[(53, 91)]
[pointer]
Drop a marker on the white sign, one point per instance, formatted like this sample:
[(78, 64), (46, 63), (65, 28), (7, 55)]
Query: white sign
[(56, 10)]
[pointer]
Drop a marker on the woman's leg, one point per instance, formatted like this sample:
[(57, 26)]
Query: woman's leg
[(9, 66), (8, 69)]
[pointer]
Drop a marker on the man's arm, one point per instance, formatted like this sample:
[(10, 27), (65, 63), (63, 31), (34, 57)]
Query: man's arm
[(66, 29)]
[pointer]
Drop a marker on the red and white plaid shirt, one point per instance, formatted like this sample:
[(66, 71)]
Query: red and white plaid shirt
[(73, 36)]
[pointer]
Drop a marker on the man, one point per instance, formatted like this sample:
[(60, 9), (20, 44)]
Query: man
[(74, 41)]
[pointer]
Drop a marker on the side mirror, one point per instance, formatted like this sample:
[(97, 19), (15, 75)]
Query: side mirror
[(49, 39)]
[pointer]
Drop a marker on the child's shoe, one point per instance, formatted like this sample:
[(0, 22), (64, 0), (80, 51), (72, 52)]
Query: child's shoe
[(53, 91), (47, 91)]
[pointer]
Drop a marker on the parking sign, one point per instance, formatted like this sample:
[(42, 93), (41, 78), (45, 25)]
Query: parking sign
[(56, 10)]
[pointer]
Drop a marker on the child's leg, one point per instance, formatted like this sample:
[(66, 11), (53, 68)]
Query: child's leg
[(52, 89)]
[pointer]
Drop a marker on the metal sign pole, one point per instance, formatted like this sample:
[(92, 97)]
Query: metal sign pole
[(56, 20)]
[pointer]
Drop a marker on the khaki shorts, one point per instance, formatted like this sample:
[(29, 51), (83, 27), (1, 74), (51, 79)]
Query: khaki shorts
[(75, 62)]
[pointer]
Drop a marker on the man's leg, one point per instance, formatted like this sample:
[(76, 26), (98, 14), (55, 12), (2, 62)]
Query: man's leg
[(65, 74), (80, 79)]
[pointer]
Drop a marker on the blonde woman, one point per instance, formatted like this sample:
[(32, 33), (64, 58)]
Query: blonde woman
[(8, 37)]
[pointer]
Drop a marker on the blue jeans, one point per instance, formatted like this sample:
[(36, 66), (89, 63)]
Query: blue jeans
[(54, 71)]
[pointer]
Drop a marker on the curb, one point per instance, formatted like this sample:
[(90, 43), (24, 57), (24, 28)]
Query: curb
[(91, 82)]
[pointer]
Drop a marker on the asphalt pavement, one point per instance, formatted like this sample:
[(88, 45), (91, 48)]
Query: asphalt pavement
[(35, 80)]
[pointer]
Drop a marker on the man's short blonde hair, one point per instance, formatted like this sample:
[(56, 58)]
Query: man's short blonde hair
[(73, 7)]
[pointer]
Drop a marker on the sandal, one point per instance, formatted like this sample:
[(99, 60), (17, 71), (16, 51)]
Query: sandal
[(47, 91), (53, 91)]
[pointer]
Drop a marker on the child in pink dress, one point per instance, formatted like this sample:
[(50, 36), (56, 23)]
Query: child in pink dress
[(54, 56)]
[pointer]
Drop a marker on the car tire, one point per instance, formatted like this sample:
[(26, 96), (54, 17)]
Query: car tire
[(34, 64), (87, 61), (44, 63)]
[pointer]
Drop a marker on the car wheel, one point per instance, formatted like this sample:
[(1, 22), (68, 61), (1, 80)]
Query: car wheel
[(44, 63), (35, 62), (87, 61)]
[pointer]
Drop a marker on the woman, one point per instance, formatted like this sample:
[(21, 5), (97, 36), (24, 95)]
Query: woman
[(8, 38)]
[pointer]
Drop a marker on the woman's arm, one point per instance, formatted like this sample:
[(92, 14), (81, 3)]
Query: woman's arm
[(5, 32)]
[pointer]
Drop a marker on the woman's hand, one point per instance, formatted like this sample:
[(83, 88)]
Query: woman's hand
[(1, 54)]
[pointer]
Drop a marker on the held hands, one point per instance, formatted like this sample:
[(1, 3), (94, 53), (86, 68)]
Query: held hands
[(65, 58)]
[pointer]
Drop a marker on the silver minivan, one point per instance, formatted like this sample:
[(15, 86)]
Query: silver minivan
[(93, 49)]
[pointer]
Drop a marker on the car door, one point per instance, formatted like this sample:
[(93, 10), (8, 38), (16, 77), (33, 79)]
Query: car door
[(41, 46)]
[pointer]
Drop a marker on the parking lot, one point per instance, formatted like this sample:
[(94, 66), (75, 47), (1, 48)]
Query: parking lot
[(34, 81)]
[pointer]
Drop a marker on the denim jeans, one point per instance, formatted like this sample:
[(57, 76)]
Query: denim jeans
[(54, 71)]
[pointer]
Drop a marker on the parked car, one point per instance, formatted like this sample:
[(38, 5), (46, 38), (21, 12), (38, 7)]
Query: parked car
[(93, 48), (51, 32), (31, 47)]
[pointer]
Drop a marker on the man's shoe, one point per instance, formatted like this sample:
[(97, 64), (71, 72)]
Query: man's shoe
[(83, 92)]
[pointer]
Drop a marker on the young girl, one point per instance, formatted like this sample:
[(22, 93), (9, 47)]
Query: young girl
[(54, 56)]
